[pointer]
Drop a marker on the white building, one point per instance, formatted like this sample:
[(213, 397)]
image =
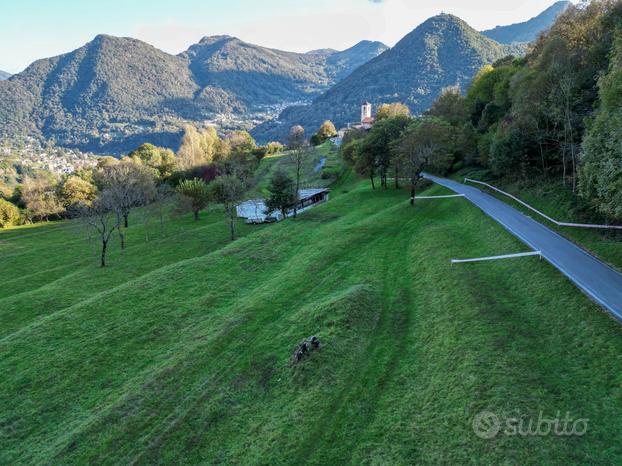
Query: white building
[(254, 210), (365, 111), (367, 121)]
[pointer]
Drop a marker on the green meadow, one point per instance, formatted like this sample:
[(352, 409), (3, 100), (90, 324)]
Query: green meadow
[(179, 351)]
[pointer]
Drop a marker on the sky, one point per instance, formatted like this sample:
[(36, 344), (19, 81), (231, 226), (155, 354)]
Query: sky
[(33, 29)]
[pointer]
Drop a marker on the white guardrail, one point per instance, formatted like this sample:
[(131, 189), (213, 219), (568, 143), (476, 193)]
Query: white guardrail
[(533, 209), (494, 258), (439, 197)]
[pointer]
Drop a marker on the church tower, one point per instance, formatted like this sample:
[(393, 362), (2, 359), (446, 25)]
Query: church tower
[(365, 111)]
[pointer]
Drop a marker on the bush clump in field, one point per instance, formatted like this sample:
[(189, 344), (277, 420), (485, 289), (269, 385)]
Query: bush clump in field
[(9, 214), (304, 348)]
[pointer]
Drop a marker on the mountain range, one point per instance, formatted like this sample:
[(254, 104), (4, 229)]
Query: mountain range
[(527, 31), (4, 75), (443, 51), (115, 93)]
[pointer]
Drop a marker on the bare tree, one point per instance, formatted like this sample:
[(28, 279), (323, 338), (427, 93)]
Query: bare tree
[(228, 190), (416, 158), (567, 115), (128, 186), (297, 150), (99, 217), (161, 206)]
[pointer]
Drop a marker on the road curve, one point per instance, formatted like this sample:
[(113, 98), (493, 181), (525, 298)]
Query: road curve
[(595, 278)]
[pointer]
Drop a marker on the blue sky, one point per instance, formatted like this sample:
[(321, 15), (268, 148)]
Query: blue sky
[(32, 29)]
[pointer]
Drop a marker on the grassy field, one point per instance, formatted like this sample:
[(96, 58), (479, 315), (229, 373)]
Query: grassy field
[(179, 351), (312, 175)]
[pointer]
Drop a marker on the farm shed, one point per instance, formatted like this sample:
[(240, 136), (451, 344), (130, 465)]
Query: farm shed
[(254, 210)]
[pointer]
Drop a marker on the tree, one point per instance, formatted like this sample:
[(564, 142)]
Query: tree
[(260, 152), (316, 140), (283, 196), (127, 186), (601, 167), (240, 142), (228, 191), (75, 190), (40, 197), (274, 147), (349, 151), (9, 214), (391, 111), (161, 206), (101, 217), (196, 193), (159, 158), (198, 147), (378, 144), (427, 142), (106, 161), (353, 134), (365, 162), (451, 106), (297, 152), (240, 164), (327, 130)]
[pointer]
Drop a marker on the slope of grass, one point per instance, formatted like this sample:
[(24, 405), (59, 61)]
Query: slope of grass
[(559, 202), (179, 352), (310, 178)]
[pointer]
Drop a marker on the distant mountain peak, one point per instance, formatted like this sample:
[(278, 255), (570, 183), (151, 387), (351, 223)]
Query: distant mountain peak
[(324, 52), (4, 75), (529, 30), (368, 44), (111, 38), (216, 38)]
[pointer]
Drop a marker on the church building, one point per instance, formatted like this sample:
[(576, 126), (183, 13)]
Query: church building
[(367, 121)]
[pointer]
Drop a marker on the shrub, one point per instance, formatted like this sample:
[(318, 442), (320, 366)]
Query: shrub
[(330, 173), (9, 214)]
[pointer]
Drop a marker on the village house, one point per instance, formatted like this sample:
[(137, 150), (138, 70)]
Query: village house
[(254, 210)]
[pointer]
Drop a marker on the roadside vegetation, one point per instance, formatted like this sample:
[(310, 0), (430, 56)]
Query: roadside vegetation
[(559, 203)]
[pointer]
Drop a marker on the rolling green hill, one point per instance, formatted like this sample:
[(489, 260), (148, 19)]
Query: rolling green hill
[(443, 51), (179, 351)]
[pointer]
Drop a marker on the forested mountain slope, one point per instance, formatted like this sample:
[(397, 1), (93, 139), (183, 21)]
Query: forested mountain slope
[(443, 51), (114, 93)]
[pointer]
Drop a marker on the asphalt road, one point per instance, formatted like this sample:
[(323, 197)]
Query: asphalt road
[(595, 278)]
